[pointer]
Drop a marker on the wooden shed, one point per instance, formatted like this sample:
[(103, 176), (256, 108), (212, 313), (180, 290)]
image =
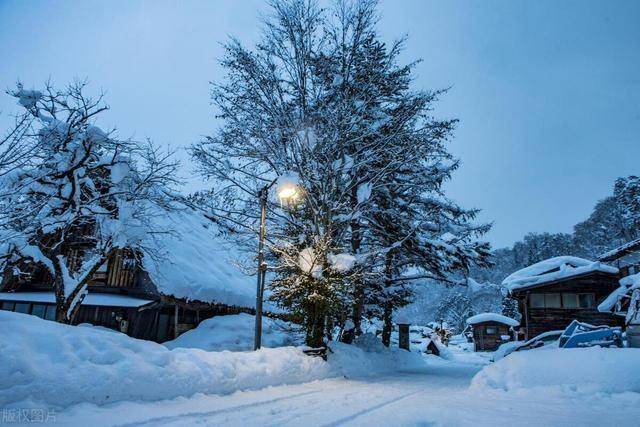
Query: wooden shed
[(490, 330)]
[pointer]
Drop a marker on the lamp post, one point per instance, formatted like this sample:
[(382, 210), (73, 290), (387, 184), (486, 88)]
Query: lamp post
[(286, 191)]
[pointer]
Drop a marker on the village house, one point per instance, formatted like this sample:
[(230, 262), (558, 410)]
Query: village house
[(193, 274), (553, 292), (490, 330)]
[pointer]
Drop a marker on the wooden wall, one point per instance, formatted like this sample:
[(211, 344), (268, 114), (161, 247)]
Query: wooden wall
[(489, 342), (538, 320)]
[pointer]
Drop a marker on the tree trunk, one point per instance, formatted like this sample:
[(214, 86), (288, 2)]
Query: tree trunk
[(315, 327), (387, 326)]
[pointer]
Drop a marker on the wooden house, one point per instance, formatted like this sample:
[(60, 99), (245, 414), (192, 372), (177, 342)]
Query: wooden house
[(490, 330), (190, 276), (554, 292)]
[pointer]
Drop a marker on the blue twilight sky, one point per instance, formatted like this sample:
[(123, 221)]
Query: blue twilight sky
[(548, 92)]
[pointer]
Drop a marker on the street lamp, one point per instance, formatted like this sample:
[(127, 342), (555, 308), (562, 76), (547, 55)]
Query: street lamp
[(287, 189)]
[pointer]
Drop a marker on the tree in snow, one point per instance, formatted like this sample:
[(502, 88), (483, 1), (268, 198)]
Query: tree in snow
[(72, 194), (322, 99), (510, 307), (455, 309)]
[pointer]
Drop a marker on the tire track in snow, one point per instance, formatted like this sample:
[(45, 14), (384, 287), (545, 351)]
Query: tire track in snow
[(181, 417), (371, 409)]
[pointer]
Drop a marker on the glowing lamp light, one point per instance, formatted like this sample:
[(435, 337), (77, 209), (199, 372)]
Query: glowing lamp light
[(287, 192)]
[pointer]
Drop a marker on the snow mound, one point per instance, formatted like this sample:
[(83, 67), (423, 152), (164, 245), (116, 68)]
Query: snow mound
[(60, 365), (44, 363), (492, 317), (235, 333), (557, 268), (583, 370)]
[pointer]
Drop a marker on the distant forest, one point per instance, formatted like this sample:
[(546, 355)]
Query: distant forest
[(614, 221)]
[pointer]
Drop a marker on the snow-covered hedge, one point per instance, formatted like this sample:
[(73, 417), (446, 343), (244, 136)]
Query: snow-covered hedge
[(588, 370), (55, 365)]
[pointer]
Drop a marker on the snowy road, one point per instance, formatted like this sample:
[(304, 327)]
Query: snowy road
[(437, 395)]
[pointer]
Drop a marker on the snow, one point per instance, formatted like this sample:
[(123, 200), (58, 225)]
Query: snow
[(492, 317), (235, 333), (581, 370), (55, 365), (59, 365), (196, 262), (433, 392), (627, 285), (552, 269), (341, 262), (28, 98), (364, 192), (97, 299), (309, 263), (119, 172)]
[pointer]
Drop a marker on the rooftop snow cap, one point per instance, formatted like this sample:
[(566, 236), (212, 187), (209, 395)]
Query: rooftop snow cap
[(196, 262), (492, 317), (553, 269)]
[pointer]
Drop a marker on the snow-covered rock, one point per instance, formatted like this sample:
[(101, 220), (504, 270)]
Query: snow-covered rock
[(585, 370), (556, 268), (235, 333), (492, 317)]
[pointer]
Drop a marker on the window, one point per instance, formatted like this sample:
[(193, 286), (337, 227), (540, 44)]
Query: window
[(570, 300), (545, 301), (51, 312), (552, 301), (586, 300), (22, 307), (38, 310), (491, 330), (7, 305), (536, 301)]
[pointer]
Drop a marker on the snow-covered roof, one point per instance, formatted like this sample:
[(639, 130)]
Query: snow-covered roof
[(196, 262), (620, 251), (95, 299), (492, 317), (553, 269)]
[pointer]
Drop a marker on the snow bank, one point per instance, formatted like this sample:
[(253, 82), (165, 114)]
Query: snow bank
[(584, 370), (235, 333), (368, 356), (492, 317), (60, 365), (557, 268), (55, 365)]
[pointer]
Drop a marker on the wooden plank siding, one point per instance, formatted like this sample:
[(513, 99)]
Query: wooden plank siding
[(538, 320)]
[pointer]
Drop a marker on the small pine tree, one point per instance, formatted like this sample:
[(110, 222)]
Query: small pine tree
[(510, 307)]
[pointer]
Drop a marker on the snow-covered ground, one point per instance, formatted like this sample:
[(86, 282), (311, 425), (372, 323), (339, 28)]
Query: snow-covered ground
[(89, 376)]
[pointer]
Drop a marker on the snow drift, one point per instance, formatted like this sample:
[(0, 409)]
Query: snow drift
[(583, 370), (235, 333), (47, 363)]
